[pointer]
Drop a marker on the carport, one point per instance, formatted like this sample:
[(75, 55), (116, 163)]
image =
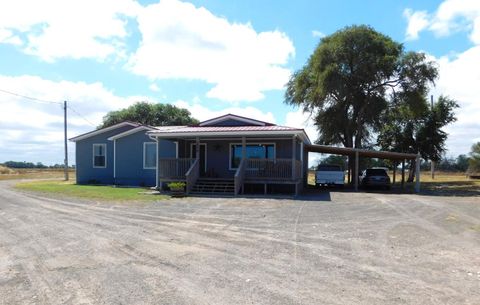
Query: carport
[(357, 153)]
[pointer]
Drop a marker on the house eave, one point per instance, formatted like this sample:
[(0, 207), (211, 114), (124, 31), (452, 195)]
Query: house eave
[(296, 132), (100, 131)]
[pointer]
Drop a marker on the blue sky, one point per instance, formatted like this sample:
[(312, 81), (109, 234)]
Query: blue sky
[(211, 57)]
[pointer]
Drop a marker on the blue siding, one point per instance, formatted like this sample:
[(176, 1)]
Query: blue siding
[(129, 159), (84, 158)]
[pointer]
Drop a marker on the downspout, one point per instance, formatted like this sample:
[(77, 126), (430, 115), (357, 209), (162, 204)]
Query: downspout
[(157, 173), (115, 161)]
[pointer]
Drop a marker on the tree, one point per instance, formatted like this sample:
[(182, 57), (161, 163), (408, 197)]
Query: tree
[(461, 163), (414, 127), (352, 77), (474, 161), (348, 81), (150, 114)]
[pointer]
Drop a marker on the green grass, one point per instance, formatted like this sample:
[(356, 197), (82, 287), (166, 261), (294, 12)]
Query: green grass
[(101, 193), (32, 173)]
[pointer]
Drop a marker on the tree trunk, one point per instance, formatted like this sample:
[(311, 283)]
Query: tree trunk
[(411, 171)]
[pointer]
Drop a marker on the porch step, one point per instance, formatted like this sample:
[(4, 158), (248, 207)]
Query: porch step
[(225, 187)]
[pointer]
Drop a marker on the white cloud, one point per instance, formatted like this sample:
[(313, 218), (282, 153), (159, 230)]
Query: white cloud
[(203, 113), (451, 16), (318, 34), (181, 41), (32, 131), (53, 29), (154, 87), (299, 119), (459, 81), (417, 21)]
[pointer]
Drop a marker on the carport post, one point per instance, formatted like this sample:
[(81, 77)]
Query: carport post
[(355, 177), (394, 171), (403, 173), (417, 173)]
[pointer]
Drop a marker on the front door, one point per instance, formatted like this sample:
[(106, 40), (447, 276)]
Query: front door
[(203, 156)]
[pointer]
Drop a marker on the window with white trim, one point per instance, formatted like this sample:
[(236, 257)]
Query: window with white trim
[(150, 155), (100, 155), (253, 151)]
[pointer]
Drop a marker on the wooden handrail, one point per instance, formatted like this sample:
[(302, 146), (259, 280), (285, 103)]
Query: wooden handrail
[(192, 175), (174, 168), (239, 176), (280, 169)]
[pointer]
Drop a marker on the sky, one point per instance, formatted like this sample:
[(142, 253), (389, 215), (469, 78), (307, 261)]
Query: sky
[(210, 56)]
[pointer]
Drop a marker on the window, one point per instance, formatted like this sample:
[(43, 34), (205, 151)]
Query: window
[(149, 155), (100, 155), (253, 151)]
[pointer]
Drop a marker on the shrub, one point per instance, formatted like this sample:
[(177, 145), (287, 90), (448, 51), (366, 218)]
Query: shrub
[(176, 185)]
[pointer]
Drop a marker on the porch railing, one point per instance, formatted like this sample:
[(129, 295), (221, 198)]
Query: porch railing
[(239, 176), (280, 169), (192, 175), (174, 168)]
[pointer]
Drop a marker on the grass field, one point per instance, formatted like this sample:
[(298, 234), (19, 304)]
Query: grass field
[(444, 184), (94, 192), (32, 173)]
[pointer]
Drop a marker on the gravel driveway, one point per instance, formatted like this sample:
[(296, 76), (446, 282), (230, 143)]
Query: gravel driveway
[(345, 249)]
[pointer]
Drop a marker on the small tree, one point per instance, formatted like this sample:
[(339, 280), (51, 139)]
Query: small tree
[(474, 161), (413, 127)]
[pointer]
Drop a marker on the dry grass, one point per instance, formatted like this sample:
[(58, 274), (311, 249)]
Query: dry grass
[(32, 173), (444, 184), (6, 171)]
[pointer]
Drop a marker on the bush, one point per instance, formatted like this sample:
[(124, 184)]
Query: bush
[(177, 185), (6, 171)]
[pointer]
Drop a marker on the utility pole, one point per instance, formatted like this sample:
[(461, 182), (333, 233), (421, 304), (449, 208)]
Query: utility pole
[(432, 163), (65, 138)]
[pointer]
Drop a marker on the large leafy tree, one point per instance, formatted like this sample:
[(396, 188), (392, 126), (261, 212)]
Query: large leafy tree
[(150, 114), (350, 79), (474, 160)]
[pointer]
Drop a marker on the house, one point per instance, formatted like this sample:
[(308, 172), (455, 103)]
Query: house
[(227, 155), (232, 154), (122, 154)]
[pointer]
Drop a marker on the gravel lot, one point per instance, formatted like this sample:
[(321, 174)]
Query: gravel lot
[(347, 248)]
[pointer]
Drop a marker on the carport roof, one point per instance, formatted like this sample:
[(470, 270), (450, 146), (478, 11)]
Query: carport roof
[(346, 151)]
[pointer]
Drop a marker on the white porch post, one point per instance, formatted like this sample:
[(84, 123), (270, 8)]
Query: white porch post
[(417, 173), (294, 155)]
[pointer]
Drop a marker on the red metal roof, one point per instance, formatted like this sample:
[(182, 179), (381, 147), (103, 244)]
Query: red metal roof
[(187, 129)]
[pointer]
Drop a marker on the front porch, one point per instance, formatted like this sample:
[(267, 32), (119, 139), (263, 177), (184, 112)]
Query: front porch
[(226, 166)]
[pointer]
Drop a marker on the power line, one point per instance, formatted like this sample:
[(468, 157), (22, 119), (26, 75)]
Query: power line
[(81, 116), (30, 98), (34, 99)]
